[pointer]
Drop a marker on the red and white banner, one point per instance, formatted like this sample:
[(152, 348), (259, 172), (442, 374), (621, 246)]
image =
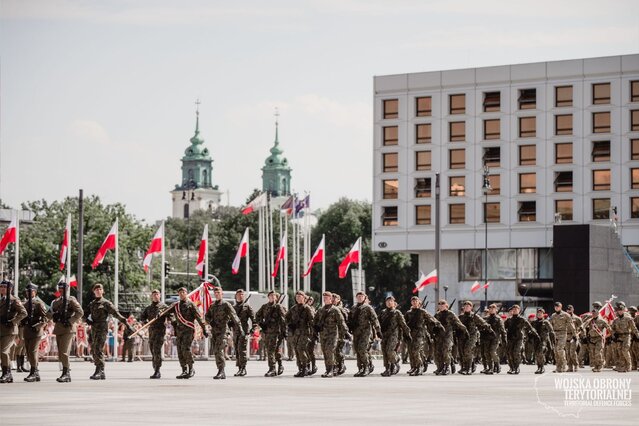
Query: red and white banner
[(65, 243), (201, 296), (73, 282), (156, 247), (241, 252), (477, 286), (204, 247), (425, 280), (256, 203), (109, 244), (318, 257), (281, 255), (9, 235), (353, 256)]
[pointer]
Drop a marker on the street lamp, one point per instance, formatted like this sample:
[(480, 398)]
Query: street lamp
[(486, 188), (188, 195), (445, 293)]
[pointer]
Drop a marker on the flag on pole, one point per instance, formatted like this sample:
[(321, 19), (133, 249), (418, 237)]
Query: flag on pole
[(425, 280), (304, 203), (201, 296), (281, 255), (204, 246), (317, 257), (9, 235), (108, 244), (73, 282), (256, 203), (475, 287), (288, 206), (353, 256), (485, 286), (607, 312), (156, 247), (241, 252), (65, 243)]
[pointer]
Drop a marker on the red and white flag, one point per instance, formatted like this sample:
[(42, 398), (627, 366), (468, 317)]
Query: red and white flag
[(73, 282), (425, 280), (607, 312), (241, 252), (318, 257), (475, 287), (204, 247), (201, 296), (109, 244), (65, 243), (9, 235), (256, 203), (281, 255), (353, 256), (156, 247)]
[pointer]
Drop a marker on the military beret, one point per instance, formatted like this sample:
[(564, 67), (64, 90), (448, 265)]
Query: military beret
[(597, 305), (96, 286), (514, 307), (569, 307), (360, 293), (239, 290), (32, 287), (155, 291), (390, 298), (541, 310), (467, 302), (217, 288), (182, 289), (632, 308), (492, 305), (558, 304), (5, 283), (620, 305)]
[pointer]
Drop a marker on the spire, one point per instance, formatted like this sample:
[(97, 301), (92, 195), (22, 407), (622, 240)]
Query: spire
[(277, 117), (197, 116)]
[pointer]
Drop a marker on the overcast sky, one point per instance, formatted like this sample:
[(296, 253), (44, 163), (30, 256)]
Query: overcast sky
[(100, 94)]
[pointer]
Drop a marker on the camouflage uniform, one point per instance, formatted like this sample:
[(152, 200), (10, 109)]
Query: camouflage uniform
[(270, 317), (563, 326), (184, 314), (310, 351), (66, 324), (245, 314), (444, 339), (127, 345), (99, 309), (474, 324), (11, 313), (219, 314), (543, 342), (364, 325), (515, 327), (393, 326), (341, 342), (299, 320), (594, 330), (634, 347), (420, 324), (572, 344), (32, 327), (623, 329), (490, 341), (329, 323), (157, 332)]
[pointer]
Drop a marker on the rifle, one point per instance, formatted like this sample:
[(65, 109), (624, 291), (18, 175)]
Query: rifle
[(29, 308), (453, 304), (5, 317), (424, 300), (160, 315)]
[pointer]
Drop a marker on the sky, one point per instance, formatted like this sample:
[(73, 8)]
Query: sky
[(100, 95)]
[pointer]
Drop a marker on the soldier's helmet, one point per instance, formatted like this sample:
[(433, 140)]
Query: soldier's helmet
[(467, 302), (620, 306), (597, 305), (632, 309), (32, 287), (541, 310)]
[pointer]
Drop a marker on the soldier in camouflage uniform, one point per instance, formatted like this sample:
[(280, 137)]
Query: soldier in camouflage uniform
[(270, 318), (490, 341), (128, 343), (66, 319), (299, 320), (515, 327), (364, 325), (219, 315), (32, 329), (157, 331), (474, 324), (184, 313), (584, 340), (572, 344), (634, 345), (310, 351), (563, 326), (546, 337), (420, 323), (341, 342), (11, 313), (329, 323), (240, 334), (623, 330), (444, 340), (393, 325), (594, 330)]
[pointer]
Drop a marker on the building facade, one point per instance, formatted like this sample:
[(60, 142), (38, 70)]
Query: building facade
[(561, 144), (276, 173)]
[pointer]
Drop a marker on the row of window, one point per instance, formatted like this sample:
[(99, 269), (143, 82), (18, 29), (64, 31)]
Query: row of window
[(492, 100), (492, 128), (526, 212)]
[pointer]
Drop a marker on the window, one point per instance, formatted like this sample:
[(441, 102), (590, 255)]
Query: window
[(634, 208), (423, 133), (563, 124), (527, 211), (601, 122), (422, 188), (422, 215), (563, 153), (634, 149), (527, 183), (492, 101), (495, 184), (600, 151), (563, 182), (186, 211), (492, 129), (527, 98), (391, 187), (389, 216), (491, 212), (457, 186), (391, 108), (634, 120), (527, 127), (601, 93), (601, 180), (457, 131), (457, 158), (422, 160), (457, 104), (527, 155), (389, 162), (634, 91), (634, 178), (390, 136), (564, 208), (456, 213), (601, 208), (423, 106), (492, 156), (563, 96)]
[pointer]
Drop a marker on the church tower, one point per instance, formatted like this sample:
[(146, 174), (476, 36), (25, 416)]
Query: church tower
[(196, 191), (276, 173)]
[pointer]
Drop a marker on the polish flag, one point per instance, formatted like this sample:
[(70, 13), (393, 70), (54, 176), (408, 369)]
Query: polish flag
[(65, 243), (607, 312), (9, 235), (73, 282), (109, 244), (475, 287), (241, 252), (281, 255), (485, 286), (288, 206), (425, 280), (318, 257), (156, 247), (256, 203), (204, 246), (353, 256)]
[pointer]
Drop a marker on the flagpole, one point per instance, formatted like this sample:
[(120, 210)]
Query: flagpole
[(260, 262), (361, 259), (323, 269), (305, 248), (282, 266), (162, 277), (248, 263), (116, 286), (294, 250), (271, 248), (286, 257), (205, 272), (16, 260), (68, 253)]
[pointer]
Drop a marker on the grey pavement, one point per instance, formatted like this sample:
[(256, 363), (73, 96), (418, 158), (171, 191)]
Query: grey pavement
[(129, 397)]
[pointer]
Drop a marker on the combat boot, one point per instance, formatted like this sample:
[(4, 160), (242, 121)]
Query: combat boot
[(271, 372), (371, 367), (156, 374), (473, 367), (34, 376), (65, 377), (444, 371), (329, 372), (438, 370), (301, 373), (6, 375), (485, 370), (313, 369), (20, 364), (96, 374), (396, 369), (425, 367), (411, 371), (239, 372), (387, 371), (540, 369), (342, 369), (280, 368), (360, 371), (453, 367), (191, 372), (184, 375), (220, 375), (243, 372)]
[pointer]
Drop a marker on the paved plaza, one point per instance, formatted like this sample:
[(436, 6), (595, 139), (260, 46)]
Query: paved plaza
[(129, 397)]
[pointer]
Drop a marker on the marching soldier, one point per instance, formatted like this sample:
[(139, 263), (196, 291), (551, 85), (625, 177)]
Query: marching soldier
[(594, 329), (490, 341), (419, 321), (219, 315), (364, 326), (563, 326), (474, 324), (392, 324), (444, 340), (515, 327), (329, 323), (270, 318), (66, 313), (11, 313), (572, 343), (634, 346), (245, 313), (299, 320), (585, 341), (157, 331), (310, 351), (341, 342), (623, 329), (32, 327), (185, 313), (546, 336)]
